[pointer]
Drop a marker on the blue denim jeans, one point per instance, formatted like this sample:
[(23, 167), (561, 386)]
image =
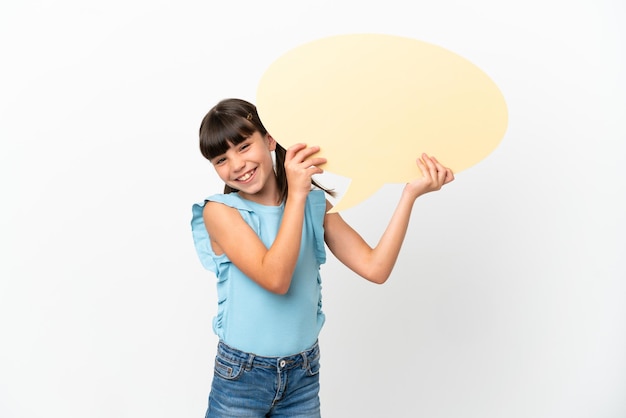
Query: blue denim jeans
[(247, 385)]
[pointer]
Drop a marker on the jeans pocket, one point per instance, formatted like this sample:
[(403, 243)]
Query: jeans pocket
[(228, 369), (313, 366)]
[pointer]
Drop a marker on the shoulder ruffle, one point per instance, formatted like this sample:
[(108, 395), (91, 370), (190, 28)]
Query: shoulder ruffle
[(316, 212), (201, 239), (317, 204)]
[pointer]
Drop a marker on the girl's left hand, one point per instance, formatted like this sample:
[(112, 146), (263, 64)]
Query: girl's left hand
[(435, 176)]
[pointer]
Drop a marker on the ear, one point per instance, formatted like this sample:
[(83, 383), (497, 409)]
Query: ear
[(271, 142)]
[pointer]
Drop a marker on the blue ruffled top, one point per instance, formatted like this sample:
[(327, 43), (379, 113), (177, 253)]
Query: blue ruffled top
[(249, 317)]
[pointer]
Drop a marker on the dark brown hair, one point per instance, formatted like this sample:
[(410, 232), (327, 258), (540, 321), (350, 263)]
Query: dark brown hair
[(232, 121)]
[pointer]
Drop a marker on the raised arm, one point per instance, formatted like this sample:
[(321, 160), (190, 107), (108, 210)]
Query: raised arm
[(272, 268), (375, 264)]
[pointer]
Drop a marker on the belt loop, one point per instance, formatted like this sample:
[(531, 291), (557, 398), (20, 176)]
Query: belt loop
[(305, 358), (250, 361)]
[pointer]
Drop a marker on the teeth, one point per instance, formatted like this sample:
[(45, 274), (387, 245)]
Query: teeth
[(245, 176)]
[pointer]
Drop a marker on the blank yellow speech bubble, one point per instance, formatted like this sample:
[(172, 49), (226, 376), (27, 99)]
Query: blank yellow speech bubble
[(374, 103)]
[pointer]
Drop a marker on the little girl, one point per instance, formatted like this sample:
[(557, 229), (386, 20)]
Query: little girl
[(264, 239)]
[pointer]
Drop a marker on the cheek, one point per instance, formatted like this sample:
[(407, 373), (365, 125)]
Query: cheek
[(222, 171)]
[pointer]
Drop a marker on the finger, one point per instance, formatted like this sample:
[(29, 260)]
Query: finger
[(449, 176), (307, 155), (445, 174), (422, 167), (442, 172), (315, 170), (293, 150), (306, 152), (440, 167), (432, 168), (296, 147), (315, 161)]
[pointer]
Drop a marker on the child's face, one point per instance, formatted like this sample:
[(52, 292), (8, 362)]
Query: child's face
[(248, 168)]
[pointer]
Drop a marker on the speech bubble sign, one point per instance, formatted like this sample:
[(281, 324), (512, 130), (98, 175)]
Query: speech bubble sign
[(374, 103)]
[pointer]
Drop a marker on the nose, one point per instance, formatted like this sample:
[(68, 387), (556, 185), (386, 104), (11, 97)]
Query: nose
[(238, 163)]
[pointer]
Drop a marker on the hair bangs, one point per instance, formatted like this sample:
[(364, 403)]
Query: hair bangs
[(219, 130)]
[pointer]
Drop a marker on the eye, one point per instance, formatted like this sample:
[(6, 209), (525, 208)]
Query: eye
[(219, 160), (244, 146)]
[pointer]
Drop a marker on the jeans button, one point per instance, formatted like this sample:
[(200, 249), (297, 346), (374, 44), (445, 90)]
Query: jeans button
[(282, 363)]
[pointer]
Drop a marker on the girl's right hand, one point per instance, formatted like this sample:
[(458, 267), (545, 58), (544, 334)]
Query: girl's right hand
[(300, 166)]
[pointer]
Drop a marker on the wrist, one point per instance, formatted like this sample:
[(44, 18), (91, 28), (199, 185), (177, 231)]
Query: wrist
[(296, 197), (410, 192)]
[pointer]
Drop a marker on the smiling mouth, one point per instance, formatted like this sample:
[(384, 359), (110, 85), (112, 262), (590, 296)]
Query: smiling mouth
[(246, 176)]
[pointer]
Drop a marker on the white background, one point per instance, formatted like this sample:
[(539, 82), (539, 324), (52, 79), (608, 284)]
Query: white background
[(508, 299)]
